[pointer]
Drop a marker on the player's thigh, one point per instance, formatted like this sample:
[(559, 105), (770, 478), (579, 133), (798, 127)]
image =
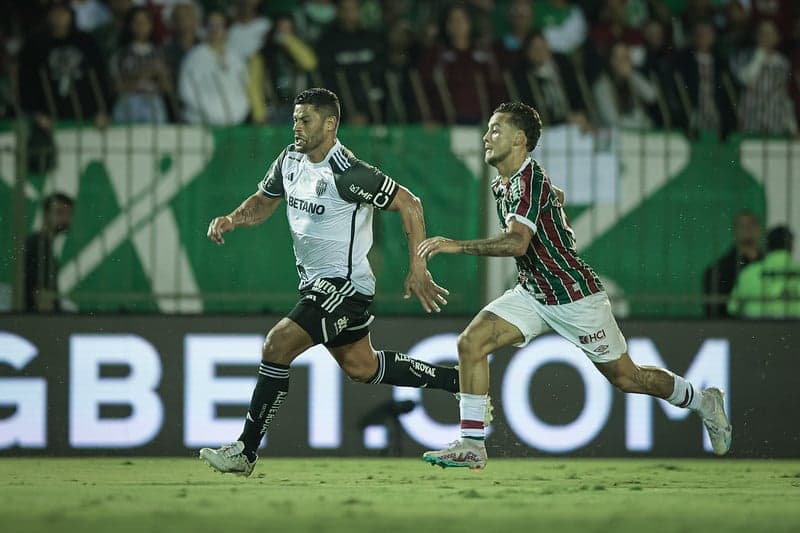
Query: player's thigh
[(357, 359), (488, 332), (590, 325), (285, 341), (509, 320)]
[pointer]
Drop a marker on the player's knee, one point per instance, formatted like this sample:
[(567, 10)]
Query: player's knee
[(274, 350), (358, 373), (469, 347)]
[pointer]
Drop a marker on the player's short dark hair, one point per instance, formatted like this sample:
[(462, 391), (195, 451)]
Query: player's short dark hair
[(779, 238), (51, 199), (525, 118), (326, 102)]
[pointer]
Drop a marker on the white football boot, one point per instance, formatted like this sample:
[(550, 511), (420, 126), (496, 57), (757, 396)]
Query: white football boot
[(470, 453), (229, 459), (715, 421)]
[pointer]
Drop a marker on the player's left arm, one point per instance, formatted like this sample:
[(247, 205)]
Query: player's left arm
[(419, 280), (513, 242), (363, 183)]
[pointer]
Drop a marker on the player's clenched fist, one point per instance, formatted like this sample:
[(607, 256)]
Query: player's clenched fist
[(218, 226)]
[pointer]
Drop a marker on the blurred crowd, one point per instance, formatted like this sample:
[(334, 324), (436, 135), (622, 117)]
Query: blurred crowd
[(697, 65)]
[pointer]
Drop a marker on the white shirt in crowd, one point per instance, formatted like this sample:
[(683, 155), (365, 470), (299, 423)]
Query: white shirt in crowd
[(245, 39), (213, 87)]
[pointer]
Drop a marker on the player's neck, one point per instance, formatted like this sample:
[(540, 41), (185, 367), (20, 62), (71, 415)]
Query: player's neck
[(319, 153), (509, 166)]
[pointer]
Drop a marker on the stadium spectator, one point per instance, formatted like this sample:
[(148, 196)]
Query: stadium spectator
[(402, 56), (313, 17), (41, 264), (659, 68), (351, 63), (549, 82), (185, 28), (612, 27), (780, 12), (108, 35), (720, 277), (705, 84), (457, 75), (282, 67), (769, 288), (90, 14), (214, 82), (622, 94), (140, 74), (62, 74), (247, 32), (509, 47), (563, 24), (736, 34), (765, 105)]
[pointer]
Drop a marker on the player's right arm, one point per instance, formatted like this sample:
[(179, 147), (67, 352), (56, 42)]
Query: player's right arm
[(254, 210), (257, 208)]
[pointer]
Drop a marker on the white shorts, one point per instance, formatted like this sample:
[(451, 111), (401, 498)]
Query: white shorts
[(587, 323)]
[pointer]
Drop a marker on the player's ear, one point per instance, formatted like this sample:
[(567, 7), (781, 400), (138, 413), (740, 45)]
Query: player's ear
[(331, 123), (520, 139)]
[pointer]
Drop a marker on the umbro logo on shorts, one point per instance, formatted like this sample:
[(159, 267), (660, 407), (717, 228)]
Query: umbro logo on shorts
[(601, 350)]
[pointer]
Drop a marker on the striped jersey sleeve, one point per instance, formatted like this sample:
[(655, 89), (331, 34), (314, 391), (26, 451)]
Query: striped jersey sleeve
[(360, 182), (526, 198), (272, 183)]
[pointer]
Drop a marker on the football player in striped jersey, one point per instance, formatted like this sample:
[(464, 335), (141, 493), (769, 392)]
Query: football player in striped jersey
[(555, 290)]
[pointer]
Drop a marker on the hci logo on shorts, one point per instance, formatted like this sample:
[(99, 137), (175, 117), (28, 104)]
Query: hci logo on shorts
[(594, 337)]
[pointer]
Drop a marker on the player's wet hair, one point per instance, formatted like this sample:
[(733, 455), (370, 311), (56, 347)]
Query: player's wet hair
[(524, 117), (326, 102)]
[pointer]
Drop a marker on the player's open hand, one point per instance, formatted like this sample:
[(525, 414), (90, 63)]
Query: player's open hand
[(218, 226), (437, 245), (420, 282)]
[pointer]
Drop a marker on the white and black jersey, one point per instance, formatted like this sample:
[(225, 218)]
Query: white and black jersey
[(329, 207)]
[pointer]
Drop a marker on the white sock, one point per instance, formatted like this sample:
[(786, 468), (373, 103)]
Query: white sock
[(473, 410), (685, 394)]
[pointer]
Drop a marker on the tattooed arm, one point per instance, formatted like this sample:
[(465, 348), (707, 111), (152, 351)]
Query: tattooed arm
[(514, 242), (254, 210)]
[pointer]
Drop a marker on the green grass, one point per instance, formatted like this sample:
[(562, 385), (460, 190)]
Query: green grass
[(346, 495)]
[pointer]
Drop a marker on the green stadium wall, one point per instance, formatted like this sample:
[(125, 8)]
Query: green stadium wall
[(145, 195)]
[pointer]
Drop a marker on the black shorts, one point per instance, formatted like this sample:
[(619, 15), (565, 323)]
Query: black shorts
[(332, 312)]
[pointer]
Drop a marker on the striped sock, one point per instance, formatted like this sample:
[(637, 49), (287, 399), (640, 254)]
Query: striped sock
[(473, 409), (271, 390), (684, 394)]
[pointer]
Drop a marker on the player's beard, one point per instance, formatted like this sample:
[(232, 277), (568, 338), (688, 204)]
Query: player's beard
[(496, 157), (309, 143)]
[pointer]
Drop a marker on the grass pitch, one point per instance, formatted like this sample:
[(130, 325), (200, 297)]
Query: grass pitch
[(388, 495)]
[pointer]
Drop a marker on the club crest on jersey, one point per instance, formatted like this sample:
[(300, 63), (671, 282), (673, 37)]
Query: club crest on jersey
[(322, 186)]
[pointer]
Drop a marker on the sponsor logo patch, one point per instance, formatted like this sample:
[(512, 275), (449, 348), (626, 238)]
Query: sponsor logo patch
[(593, 337)]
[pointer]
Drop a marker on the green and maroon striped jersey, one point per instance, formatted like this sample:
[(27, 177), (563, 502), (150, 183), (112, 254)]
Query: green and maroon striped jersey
[(550, 268)]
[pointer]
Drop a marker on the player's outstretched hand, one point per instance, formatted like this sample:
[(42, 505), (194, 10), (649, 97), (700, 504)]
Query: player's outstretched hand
[(218, 226), (437, 245), (420, 282)]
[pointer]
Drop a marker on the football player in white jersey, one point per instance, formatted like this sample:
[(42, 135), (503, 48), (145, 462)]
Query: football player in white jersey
[(330, 199)]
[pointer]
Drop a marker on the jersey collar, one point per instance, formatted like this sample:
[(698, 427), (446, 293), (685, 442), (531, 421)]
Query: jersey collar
[(335, 148), (497, 180)]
